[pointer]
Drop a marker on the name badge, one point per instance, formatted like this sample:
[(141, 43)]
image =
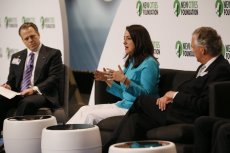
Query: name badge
[(16, 61)]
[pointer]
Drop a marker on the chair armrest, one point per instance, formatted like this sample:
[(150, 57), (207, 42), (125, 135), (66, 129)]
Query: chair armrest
[(219, 99), (178, 133), (101, 95), (110, 123)]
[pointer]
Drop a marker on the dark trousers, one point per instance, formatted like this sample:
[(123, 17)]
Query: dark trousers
[(24, 106), (212, 135), (142, 116)]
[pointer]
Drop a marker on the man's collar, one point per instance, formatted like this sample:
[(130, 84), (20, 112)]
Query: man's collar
[(37, 50), (210, 61)]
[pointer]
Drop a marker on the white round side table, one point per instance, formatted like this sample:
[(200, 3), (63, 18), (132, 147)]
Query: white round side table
[(71, 138), (148, 146), (22, 134)]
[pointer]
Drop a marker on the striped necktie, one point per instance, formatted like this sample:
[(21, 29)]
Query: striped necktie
[(26, 81)]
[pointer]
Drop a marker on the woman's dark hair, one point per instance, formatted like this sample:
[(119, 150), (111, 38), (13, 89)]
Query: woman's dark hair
[(143, 45)]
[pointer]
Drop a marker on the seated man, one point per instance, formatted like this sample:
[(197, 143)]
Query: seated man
[(34, 72), (212, 135), (191, 99)]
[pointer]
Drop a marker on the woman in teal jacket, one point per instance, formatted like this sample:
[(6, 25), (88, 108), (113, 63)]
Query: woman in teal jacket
[(139, 77)]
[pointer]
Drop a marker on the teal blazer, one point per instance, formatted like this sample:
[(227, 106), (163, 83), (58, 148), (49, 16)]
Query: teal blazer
[(144, 81)]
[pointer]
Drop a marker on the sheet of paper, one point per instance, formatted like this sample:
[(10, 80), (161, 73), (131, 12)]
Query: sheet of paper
[(8, 93)]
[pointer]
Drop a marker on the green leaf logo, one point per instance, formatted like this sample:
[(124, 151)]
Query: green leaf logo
[(176, 7), (219, 7), (179, 48), (42, 21), (139, 7), (6, 22), (23, 19), (223, 51)]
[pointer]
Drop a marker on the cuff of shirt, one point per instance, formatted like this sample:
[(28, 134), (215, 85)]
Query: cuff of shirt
[(175, 94), (35, 88)]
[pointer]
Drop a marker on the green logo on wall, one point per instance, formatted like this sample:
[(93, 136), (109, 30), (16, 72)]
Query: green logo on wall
[(42, 21), (222, 8), (184, 49), (176, 7), (11, 22), (6, 22), (139, 8), (1, 55), (226, 51), (47, 22), (147, 7), (185, 7), (10, 52), (179, 48), (28, 19), (223, 51), (157, 51), (219, 7)]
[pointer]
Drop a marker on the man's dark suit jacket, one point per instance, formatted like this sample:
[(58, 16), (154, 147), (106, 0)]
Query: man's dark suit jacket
[(193, 99), (47, 72)]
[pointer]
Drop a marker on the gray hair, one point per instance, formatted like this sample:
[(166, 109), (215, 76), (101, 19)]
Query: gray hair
[(209, 38)]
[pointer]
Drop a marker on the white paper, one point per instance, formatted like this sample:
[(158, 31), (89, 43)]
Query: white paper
[(8, 93)]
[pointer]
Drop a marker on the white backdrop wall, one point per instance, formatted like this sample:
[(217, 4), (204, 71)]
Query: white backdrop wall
[(170, 24), (48, 15)]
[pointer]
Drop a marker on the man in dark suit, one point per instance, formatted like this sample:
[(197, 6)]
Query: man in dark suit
[(191, 99), (35, 73), (212, 135)]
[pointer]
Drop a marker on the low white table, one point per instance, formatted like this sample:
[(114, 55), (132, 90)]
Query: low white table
[(22, 134), (71, 138), (148, 146)]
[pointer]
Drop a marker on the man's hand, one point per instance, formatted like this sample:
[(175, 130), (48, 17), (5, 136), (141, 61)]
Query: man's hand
[(166, 99), (170, 94), (27, 92), (6, 86), (162, 102)]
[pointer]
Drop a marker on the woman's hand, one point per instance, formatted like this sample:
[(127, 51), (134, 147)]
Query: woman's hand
[(100, 75), (103, 76), (116, 75)]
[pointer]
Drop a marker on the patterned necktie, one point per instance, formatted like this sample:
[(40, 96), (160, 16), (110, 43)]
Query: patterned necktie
[(26, 81), (200, 70)]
